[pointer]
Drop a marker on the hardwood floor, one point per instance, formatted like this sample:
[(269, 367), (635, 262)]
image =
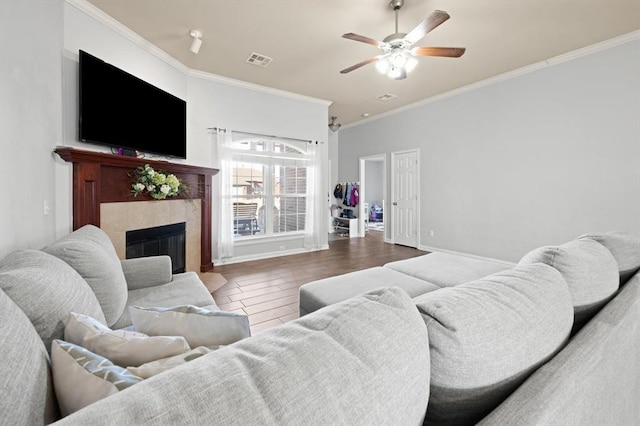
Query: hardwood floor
[(267, 290)]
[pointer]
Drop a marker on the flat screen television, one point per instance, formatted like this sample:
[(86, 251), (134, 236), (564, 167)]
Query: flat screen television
[(120, 110)]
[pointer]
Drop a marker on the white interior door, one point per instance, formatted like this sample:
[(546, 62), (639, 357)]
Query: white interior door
[(404, 201)]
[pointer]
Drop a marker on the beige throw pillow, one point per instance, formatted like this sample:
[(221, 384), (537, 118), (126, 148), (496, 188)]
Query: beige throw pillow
[(156, 367), (201, 327), (122, 347), (81, 377)]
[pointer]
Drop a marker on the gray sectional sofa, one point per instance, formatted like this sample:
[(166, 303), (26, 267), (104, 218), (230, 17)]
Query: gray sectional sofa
[(403, 344), (554, 339)]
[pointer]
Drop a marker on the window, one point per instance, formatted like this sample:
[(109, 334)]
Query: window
[(269, 187)]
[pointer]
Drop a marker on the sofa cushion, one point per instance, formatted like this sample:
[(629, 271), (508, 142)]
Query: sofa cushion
[(321, 293), (27, 390), (487, 336), (201, 327), (122, 347), (47, 289), (625, 248), (364, 361), (447, 270), (594, 380), (81, 377), (184, 289), (589, 269), (90, 252)]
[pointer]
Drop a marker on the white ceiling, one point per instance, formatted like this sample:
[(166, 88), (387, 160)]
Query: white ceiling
[(304, 39)]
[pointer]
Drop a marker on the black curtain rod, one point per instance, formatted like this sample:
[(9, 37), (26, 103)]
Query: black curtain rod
[(220, 129)]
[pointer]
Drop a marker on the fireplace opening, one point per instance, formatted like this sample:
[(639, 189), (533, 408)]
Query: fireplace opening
[(159, 240)]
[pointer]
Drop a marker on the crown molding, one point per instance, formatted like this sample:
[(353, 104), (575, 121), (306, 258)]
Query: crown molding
[(565, 57), (100, 16), (251, 86)]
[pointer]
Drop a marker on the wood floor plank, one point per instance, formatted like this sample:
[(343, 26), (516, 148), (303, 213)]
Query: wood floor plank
[(267, 290)]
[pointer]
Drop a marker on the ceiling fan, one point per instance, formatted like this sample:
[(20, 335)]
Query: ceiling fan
[(398, 57)]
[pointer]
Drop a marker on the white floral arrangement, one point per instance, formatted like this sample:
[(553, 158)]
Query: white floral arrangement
[(158, 184)]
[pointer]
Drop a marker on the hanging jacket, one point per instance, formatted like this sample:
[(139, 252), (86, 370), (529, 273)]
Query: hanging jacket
[(337, 192), (355, 196), (347, 195)]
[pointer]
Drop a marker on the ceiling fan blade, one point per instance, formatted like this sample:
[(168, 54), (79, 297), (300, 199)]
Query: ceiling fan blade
[(449, 52), (431, 22), (361, 64), (363, 39)]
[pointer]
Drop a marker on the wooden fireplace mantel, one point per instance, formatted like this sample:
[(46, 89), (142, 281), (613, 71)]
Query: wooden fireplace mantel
[(107, 178)]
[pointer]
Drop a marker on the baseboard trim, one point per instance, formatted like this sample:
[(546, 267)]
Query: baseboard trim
[(261, 256), (469, 255)]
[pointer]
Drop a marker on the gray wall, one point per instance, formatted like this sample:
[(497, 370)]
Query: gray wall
[(374, 181), (529, 161), (30, 119)]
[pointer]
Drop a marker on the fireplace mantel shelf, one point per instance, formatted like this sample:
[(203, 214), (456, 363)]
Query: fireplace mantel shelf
[(100, 177)]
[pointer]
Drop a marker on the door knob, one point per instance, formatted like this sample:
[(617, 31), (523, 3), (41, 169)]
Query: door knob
[(395, 203)]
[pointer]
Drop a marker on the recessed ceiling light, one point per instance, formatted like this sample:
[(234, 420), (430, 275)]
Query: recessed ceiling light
[(365, 115)]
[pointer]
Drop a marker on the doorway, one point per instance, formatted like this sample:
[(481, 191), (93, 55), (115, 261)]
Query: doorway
[(373, 189), (405, 193)]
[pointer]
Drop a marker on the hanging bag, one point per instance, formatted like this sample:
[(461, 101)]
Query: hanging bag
[(337, 192)]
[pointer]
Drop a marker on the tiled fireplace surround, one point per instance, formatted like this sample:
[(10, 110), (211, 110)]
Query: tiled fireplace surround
[(102, 197)]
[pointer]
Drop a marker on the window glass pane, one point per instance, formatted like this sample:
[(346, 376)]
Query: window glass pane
[(247, 197), (245, 216), (291, 214), (286, 148)]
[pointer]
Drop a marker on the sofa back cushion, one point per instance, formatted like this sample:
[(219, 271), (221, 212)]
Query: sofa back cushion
[(488, 335), (46, 289), (589, 269), (27, 389), (364, 361), (90, 252), (625, 249)]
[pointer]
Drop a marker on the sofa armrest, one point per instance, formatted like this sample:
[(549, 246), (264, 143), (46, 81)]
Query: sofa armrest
[(143, 272)]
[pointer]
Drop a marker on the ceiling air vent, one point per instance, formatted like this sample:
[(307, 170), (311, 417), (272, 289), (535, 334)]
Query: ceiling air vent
[(259, 60), (386, 97)]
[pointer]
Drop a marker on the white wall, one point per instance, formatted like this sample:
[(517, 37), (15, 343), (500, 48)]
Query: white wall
[(214, 104), (534, 160), (39, 80), (30, 120)]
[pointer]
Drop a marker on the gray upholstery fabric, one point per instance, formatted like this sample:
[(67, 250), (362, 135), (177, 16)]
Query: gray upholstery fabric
[(27, 390), (589, 269), (144, 272), (595, 380), (321, 293), (625, 248), (487, 336), (90, 252), (185, 289), (360, 362), (447, 270), (47, 289)]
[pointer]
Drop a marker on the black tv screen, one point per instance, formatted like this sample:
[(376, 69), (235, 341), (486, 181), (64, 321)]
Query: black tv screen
[(121, 110)]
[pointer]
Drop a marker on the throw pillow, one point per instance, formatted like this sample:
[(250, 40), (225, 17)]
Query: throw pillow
[(201, 327), (156, 367), (122, 347), (81, 377)]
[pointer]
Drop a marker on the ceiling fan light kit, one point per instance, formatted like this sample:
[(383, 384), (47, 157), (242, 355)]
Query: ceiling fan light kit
[(398, 57), (334, 125)]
